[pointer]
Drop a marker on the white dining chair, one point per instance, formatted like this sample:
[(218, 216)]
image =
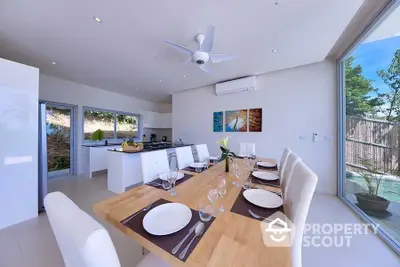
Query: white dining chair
[(202, 152), (287, 172), (282, 163), (153, 163), (84, 242), (184, 156), (247, 149), (297, 204)]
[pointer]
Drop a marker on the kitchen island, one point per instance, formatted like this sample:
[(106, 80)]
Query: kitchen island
[(124, 168)]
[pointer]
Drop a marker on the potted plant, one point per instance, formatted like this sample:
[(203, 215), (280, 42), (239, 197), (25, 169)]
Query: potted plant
[(98, 135), (370, 201), (226, 153)]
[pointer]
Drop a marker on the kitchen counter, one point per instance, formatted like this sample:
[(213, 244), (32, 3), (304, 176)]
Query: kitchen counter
[(171, 146), (100, 145)]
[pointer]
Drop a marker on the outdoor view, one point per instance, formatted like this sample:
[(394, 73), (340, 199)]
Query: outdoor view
[(94, 120), (372, 83), (58, 131)]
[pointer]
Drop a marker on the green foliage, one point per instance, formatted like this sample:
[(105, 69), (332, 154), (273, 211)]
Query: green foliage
[(98, 135), (358, 89), (372, 176), (391, 77)]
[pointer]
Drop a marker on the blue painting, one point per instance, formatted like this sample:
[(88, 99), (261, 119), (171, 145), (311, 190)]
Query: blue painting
[(218, 121)]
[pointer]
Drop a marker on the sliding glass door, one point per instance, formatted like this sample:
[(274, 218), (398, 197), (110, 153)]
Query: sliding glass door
[(59, 135), (369, 126)]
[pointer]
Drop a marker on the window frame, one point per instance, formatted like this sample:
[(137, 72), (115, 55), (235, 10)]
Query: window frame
[(115, 112), (341, 156)]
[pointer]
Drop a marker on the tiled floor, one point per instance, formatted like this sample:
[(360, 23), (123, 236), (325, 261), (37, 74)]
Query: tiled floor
[(32, 243)]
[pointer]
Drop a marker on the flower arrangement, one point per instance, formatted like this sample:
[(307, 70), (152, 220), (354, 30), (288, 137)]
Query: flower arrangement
[(226, 153)]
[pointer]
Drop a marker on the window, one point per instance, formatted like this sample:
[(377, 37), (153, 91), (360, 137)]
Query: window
[(114, 124), (127, 126), (369, 147)]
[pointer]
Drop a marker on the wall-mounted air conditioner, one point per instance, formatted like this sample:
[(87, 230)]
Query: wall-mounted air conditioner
[(235, 86)]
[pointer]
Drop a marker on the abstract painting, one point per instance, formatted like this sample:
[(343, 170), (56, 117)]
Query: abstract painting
[(218, 121), (236, 120), (255, 120)]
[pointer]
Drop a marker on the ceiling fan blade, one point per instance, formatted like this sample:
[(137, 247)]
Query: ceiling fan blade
[(216, 58), (208, 42), (180, 48), (205, 68)]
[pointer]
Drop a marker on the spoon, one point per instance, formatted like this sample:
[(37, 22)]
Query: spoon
[(198, 232)]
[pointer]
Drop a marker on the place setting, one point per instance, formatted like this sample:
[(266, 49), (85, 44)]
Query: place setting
[(198, 167), (168, 180), (174, 227)]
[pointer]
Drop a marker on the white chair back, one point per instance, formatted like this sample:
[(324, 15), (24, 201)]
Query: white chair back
[(247, 149), (291, 162), (83, 241), (282, 163), (184, 156), (297, 203), (153, 163), (202, 152)]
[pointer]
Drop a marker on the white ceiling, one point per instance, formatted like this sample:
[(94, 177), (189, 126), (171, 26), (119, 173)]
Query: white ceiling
[(126, 53)]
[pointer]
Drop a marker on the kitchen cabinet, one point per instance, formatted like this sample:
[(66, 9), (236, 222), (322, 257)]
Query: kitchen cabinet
[(156, 120)]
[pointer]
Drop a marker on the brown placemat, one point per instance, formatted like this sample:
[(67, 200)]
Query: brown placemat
[(242, 206), (255, 180), (158, 182), (168, 242)]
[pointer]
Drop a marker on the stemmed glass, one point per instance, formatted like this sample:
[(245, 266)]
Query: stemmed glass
[(221, 189), (212, 196), (237, 172), (171, 177)]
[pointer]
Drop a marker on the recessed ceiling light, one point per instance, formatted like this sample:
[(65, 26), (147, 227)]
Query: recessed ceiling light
[(136, 90), (184, 76), (97, 19), (159, 81), (275, 50), (53, 62)]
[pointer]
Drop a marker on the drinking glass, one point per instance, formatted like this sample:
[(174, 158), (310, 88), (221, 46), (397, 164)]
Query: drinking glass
[(238, 173), (212, 196), (222, 192), (205, 210), (172, 176), (247, 183), (166, 184)]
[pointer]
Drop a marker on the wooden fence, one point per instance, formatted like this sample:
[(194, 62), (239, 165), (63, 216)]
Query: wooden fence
[(374, 140)]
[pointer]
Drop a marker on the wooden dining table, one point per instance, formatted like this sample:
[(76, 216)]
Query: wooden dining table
[(231, 240)]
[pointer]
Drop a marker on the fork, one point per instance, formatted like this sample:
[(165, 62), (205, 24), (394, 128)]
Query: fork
[(256, 216), (148, 207)]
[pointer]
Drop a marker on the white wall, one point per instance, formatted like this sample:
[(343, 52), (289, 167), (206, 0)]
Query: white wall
[(18, 142), (296, 102), (63, 91)]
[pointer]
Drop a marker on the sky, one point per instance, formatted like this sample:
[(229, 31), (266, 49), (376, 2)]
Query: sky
[(374, 56)]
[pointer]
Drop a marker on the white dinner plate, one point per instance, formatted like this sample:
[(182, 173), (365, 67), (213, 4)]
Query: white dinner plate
[(167, 219), (263, 198), (164, 176), (266, 164), (267, 176), (214, 158), (197, 165)]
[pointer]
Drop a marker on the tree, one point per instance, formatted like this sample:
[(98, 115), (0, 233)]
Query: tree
[(391, 77), (358, 89)]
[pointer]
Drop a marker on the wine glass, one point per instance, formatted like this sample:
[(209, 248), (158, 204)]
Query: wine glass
[(212, 196), (222, 192), (171, 177)]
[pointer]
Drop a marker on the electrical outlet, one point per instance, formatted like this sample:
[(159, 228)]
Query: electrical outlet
[(328, 137), (302, 138)]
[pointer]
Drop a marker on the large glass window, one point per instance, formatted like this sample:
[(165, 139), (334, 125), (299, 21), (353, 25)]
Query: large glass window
[(112, 124), (370, 123)]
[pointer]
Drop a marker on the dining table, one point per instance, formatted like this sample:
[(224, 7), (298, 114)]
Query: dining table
[(231, 240)]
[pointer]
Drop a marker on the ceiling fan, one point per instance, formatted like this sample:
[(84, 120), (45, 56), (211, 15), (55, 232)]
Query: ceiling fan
[(202, 55)]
